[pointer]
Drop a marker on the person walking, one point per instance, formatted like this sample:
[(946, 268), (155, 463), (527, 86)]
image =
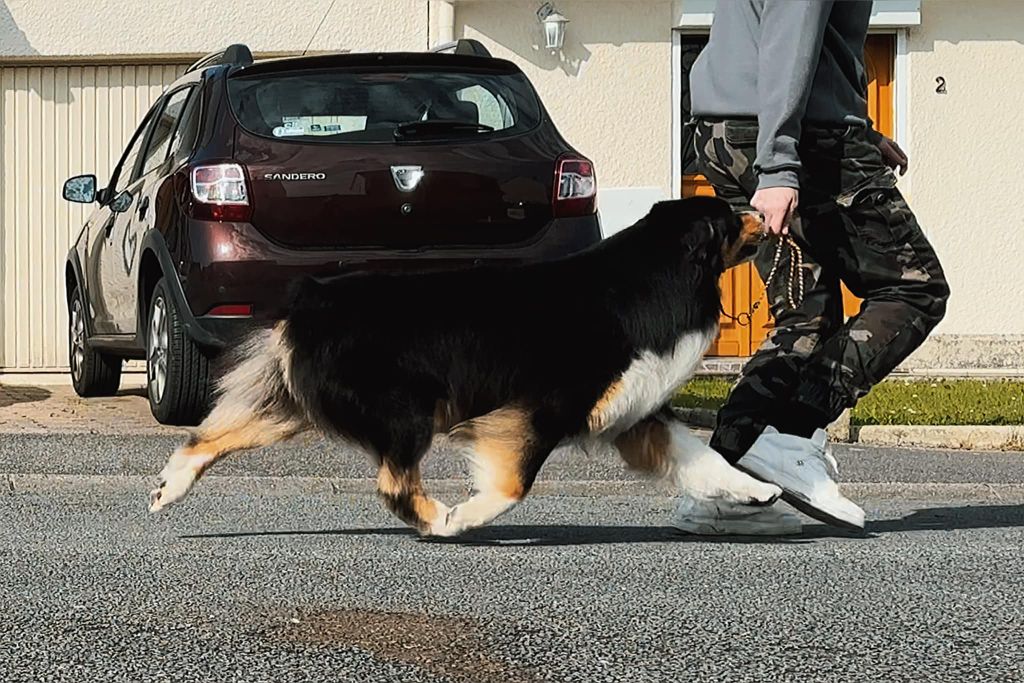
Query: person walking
[(779, 98)]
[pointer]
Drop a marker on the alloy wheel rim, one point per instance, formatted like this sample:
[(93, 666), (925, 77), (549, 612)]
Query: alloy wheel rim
[(156, 361), (77, 338)]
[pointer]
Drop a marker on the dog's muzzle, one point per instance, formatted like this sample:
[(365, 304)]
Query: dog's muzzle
[(752, 232)]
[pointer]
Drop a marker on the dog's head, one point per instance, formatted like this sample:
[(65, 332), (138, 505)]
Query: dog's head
[(710, 231)]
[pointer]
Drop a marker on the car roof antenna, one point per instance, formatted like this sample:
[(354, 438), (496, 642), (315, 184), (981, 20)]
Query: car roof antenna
[(319, 26)]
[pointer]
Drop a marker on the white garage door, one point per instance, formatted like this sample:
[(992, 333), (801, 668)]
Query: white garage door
[(55, 122)]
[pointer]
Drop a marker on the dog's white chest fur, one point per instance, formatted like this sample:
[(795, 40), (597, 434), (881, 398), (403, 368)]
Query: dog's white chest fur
[(649, 382)]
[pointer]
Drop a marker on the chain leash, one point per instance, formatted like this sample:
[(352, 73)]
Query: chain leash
[(794, 287)]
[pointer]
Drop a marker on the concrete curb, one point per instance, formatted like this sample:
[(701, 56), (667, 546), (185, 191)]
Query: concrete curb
[(971, 437), (966, 437)]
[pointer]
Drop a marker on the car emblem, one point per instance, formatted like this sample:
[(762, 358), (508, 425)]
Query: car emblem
[(407, 178)]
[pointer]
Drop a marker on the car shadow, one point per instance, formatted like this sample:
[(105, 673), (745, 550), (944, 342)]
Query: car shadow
[(12, 395), (538, 535)]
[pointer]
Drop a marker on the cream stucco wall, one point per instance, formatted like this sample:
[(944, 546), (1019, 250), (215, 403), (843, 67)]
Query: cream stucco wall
[(609, 91), (113, 27), (967, 156)]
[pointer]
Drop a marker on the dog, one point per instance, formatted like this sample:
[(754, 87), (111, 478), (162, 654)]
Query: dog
[(509, 361)]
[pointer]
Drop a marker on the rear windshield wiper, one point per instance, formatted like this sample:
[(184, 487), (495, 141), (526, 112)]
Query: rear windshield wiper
[(438, 127)]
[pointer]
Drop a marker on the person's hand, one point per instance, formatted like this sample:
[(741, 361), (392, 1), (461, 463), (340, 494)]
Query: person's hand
[(892, 154), (777, 205)]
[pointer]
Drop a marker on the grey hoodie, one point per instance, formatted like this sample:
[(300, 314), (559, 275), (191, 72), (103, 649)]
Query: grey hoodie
[(784, 62)]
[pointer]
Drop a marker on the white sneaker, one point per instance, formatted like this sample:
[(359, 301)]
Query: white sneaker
[(716, 518), (806, 472)]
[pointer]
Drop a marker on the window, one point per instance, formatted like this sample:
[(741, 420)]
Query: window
[(184, 140), (367, 106), (163, 129), (491, 110), (125, 174)]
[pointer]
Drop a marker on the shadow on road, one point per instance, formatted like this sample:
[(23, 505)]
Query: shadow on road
[(954, 518), (10, 395), (928, 519), (530, 535)]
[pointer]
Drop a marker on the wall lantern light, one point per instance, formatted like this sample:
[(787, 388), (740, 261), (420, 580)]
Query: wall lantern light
[(554, 26)]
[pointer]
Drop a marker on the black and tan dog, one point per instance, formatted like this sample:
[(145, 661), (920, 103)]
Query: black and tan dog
[(509, 361)]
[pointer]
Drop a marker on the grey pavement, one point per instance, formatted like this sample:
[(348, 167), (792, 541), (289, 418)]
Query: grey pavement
[(282, 566)]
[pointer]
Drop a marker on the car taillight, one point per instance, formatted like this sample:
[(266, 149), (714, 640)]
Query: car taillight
[(231, 310), (575, 187), (220, 193)]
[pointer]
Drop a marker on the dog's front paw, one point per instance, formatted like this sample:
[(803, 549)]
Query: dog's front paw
[(743, 489), (444, 524)]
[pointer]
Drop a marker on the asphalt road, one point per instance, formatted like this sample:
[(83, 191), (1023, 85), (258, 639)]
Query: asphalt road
[(285, 568)]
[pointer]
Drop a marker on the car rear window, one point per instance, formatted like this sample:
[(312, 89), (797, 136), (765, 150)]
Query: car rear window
[(347, 106)]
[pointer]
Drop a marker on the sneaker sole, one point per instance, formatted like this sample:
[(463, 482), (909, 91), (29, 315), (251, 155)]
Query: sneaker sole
[(806, 506), (718, 527)]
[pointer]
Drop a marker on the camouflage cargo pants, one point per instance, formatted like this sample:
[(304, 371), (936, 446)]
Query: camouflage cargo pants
[(854, 226)]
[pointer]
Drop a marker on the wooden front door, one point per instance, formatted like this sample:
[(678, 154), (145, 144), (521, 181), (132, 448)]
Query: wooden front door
[(742, 286)]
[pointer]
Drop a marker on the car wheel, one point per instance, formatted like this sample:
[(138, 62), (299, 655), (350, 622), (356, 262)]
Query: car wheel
[(92, 373), (177, 369)]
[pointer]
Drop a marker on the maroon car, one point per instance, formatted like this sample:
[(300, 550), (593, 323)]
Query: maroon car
[(247, 174)]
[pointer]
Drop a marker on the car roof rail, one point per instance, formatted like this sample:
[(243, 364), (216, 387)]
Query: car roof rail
[(464, 46), (236, 55)]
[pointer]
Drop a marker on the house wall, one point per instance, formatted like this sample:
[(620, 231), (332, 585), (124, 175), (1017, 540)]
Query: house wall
[(66, 28), (967, 179)]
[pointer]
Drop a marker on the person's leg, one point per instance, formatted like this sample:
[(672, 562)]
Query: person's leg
[(862, 228), (762, 396), (883, 256)]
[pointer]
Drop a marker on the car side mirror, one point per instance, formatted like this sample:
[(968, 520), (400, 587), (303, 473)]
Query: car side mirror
[(80, 189), (122, 202)]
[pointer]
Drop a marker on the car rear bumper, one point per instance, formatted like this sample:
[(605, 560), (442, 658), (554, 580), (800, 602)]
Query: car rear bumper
[(232, 263)]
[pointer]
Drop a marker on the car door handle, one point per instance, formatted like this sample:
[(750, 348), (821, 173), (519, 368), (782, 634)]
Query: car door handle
[(143, 208)]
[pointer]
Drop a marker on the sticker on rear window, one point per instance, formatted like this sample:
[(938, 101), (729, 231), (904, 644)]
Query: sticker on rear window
[(285, 131)]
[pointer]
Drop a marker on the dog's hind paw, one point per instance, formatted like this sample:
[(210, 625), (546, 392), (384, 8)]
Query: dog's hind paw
[(176, 480)]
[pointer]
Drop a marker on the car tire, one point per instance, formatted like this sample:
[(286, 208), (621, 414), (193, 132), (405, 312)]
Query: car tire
[(92, 373), (177, 369)]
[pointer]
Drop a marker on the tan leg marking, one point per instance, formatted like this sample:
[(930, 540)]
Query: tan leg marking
[(189, 462), (599, 419), (646, 447), (402, 491), (496, 446)]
